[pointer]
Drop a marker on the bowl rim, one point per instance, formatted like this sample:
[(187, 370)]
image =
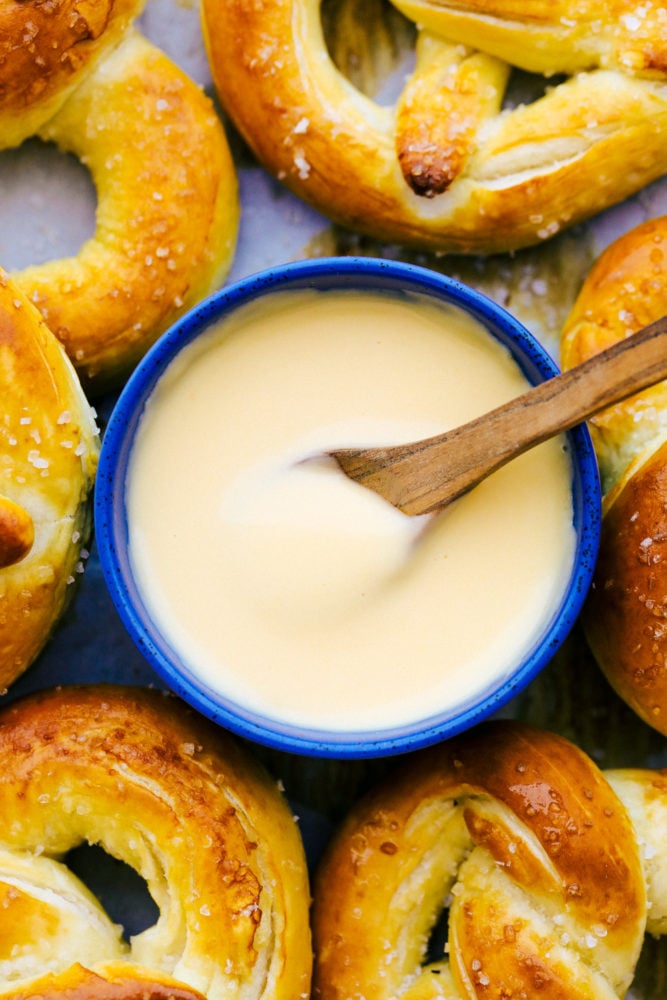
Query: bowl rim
[(110, 518)]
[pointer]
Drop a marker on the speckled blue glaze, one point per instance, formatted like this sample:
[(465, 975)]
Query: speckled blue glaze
[(112, 529)]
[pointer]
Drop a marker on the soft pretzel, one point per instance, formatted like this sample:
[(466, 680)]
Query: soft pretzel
[(167, 203), (48, 456), (45, 50), (552, 36), (528, 843), (624, 616), (182, 803), (447, 167), (78, 983)]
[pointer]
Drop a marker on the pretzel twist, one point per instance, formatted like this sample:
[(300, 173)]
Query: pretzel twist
[(167, 202), (532, 848), (447, 167), (46, 49), (624, 616), (184, 805), (117, 983), (49, 445)]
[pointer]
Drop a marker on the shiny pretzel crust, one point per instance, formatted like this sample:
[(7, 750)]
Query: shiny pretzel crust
[(46, 49), (49, 445), (537, 854), (625, 613), (445, 168), (78, 74), (167, 212), (178, 800)]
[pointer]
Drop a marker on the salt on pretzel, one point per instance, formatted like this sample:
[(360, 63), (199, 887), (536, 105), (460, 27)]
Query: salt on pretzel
[(167, 201), (553, 36), (537, 856), (49, 445), (45, 51), (625, 614), (186, 806), (446, 167), (117, 983)]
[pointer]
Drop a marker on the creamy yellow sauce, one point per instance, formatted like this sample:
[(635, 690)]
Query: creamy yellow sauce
[(300, 594)]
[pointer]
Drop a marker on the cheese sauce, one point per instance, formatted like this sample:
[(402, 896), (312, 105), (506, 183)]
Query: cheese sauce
[(300, 594)]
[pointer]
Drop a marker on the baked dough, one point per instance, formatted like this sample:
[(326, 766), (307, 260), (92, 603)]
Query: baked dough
[(625, 290), (552, 36), (45, 51), (624, 615), (167, 199), (117, 983), (446, 167), (537, 857), (181, 802), (49, 446)]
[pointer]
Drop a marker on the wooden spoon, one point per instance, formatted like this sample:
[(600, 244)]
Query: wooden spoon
[(426, 475)]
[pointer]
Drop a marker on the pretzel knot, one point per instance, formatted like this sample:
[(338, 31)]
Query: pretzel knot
[(77, 74), (184, 805), (449, 166), (531, 847), (624, 616), (49, 444)]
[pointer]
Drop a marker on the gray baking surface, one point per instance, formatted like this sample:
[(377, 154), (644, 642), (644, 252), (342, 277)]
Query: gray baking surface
[(47, 209)]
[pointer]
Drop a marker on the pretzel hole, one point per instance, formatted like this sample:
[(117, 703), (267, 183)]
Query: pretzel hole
[(526, 88), (121, 891), (650, 980), (48, 204), (371, 44), (437, 941)]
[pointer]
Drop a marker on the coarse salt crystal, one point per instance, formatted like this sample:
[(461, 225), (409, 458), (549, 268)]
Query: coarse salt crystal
[(630, 21), (37, 461), (302, 165)]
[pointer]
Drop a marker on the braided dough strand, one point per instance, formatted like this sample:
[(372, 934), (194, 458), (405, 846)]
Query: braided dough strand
[(536, 852), (167, 210), (179, 801), (447, 167)]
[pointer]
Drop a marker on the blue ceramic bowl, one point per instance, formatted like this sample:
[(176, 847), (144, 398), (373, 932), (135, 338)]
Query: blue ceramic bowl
[(112, 524)]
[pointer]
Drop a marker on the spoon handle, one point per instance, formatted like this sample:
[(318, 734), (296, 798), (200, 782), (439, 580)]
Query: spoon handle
[(425, 475)]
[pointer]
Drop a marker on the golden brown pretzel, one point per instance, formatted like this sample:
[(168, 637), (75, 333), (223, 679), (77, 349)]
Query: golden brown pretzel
[(167, 202), (446, 167), (117, 983), (624, 616), (537, 856), (182, 803), (46, 49), (550, 36), (48, 456)]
